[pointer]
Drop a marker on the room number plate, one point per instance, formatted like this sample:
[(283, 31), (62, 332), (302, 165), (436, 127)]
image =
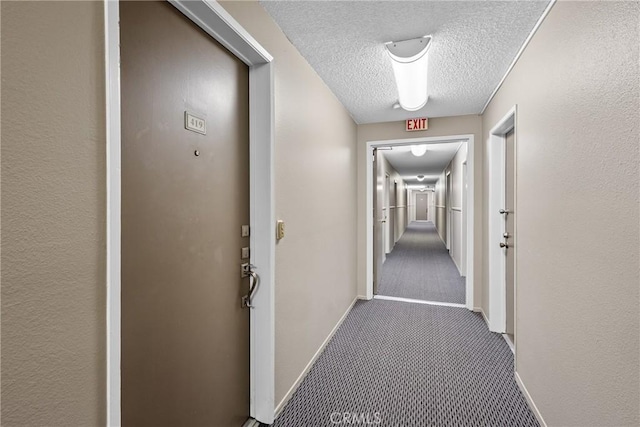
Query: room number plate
[(195, 124)]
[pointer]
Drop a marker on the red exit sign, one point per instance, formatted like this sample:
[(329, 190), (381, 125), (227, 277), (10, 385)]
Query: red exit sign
[(417, 124)]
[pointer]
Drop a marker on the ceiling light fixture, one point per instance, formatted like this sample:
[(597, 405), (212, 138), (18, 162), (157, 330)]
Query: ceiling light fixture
[(420, 177), (418, 150), (410, 62)]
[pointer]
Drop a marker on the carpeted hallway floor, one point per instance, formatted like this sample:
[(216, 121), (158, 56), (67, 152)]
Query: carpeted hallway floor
[(405, 364), (420, 267)]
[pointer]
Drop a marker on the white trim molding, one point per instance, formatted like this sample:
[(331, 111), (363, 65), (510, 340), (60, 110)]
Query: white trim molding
[(519, 54), (497, 261), (219, 24), (112, 76), (470, 217), (317, 354), (484, 316), (527, 396)]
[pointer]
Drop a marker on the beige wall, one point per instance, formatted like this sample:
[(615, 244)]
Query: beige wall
[(442, 126), (53, 214), (577, 91), (315, 177)]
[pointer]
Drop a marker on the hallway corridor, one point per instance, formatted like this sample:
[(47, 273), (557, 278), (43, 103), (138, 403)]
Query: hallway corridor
[(404, 364), (420, 267)]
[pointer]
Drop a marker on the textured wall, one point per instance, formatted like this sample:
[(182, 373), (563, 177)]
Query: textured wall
[(443, 126), (53, 214), (577, 87), (315, 180)]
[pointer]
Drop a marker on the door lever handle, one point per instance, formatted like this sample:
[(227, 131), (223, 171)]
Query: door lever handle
[(255, 282), (504, 211), (504, 245)]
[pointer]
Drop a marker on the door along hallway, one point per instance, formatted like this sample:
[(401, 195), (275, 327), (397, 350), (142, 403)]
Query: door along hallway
[(420, 267)]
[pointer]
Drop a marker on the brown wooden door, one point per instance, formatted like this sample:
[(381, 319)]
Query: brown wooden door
[(510, 175), (185, 338)]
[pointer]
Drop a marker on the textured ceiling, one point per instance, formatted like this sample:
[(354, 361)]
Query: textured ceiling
[(474, 42), (431, 164)]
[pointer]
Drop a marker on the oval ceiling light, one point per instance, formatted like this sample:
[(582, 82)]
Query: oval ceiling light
[(420, 177), (418, 150), (410, 62)]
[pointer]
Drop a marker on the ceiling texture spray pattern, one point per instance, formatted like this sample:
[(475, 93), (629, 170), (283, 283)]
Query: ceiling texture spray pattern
[(474, 42)]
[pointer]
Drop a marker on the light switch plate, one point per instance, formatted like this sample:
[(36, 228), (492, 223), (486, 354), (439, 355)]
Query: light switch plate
[(280, 229)]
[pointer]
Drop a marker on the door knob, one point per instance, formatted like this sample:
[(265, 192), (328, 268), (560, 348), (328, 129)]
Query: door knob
[(503, 211), (506, 235), (504, 245)]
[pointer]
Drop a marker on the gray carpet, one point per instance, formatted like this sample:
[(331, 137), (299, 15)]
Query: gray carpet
[(420, 267), (406, 364)]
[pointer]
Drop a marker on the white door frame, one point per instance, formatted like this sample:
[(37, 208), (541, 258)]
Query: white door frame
[(370, 145), (463, 260), (447, 207), (497, 262), (220, 25), (386, 207)]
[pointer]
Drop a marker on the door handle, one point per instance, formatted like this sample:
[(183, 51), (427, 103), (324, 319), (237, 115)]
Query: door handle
[(255, 283), (504, 211), (506, 235), (504, 245)]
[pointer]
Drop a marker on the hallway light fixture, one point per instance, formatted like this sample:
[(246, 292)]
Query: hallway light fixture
[(410, 61), (420, 177), (418, 150)]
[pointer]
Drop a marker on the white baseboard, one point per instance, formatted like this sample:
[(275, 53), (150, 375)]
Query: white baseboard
[(450, 255), (456, 264), (527, 396), (251, 422), (509, 343), (305, 371), (484, 316)]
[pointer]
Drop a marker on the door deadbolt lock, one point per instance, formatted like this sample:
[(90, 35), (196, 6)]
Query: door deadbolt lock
[(506, 235), (246, 269)]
